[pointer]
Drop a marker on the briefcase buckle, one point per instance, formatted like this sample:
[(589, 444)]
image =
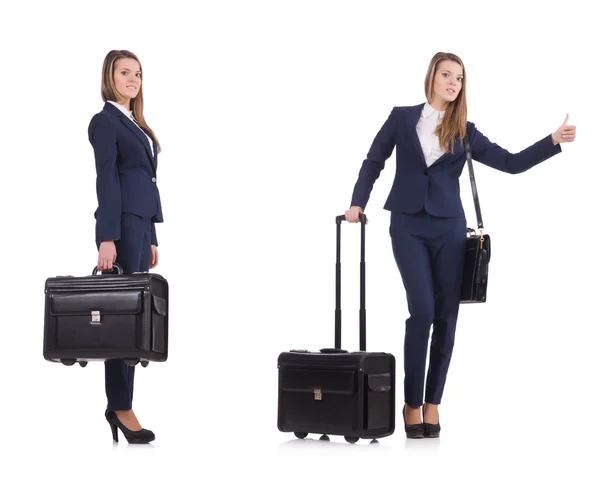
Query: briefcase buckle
[(95, 316), (318, 394)]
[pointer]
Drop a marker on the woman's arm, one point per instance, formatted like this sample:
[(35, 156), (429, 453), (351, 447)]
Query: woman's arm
[(491, 154), (153, 240), (103, 139), (380, 150)]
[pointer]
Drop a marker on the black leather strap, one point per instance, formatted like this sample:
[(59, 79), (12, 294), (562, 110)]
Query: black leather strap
[(473, 184)]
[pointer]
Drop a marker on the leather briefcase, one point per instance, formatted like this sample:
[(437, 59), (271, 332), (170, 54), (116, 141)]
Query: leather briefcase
[(478, 250), (107, 316), (475, 272)]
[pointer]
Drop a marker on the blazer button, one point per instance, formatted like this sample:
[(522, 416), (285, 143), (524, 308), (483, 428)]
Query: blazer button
[(426, 172), (154, 179)]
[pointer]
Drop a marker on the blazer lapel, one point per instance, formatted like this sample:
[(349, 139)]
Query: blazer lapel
[(140, 134), (155, 149), (458, 149), (412, 119), (135, 129)]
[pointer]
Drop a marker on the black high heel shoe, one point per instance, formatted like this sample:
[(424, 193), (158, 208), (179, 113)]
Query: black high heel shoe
[(143, 436), (413, 431), (430, 430)]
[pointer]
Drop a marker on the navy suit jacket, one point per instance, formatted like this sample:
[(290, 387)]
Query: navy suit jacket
[(125, 172), (435, 188)]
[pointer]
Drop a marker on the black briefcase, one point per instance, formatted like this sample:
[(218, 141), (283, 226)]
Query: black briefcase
[(478, 250), (333, 391), (107, 316), (475, 272)]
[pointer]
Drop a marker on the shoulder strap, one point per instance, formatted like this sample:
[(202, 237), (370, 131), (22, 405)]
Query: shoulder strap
[(473, 184)]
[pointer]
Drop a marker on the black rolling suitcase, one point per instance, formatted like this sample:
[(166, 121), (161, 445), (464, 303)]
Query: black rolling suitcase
[(106, 316), (333, 391)]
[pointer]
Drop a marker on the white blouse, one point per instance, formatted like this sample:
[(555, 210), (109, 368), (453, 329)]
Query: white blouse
[(430, 143)]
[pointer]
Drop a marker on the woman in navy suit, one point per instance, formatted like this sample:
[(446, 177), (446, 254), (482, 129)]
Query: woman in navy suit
[(428, 226), (125, 151)]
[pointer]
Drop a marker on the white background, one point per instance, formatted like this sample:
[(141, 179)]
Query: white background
[(265, 111)]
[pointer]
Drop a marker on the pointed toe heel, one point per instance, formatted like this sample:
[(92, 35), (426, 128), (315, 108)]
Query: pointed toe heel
[(143, 436), (431, 430), (413, 431)]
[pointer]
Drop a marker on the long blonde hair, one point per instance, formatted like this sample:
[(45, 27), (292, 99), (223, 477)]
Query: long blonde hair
[(109, 90), (454, 123)]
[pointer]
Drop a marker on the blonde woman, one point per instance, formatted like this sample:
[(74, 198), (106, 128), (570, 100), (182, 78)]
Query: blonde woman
[(126, 152), (428, 226)]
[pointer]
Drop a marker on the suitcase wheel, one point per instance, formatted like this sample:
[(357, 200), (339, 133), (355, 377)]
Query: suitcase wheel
[(132, 362), (83, 363), (324, 437), (300, 435), (144, 363), (351, 439), (67, 361)]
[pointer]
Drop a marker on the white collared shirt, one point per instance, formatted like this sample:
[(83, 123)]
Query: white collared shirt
[(430, 143), (129, 114)]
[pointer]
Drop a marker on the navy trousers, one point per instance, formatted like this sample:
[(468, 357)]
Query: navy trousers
[(133, 255), (429, 252)]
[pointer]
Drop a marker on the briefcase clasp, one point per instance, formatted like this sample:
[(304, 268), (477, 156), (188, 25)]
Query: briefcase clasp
[(95, 316), (318, 394)]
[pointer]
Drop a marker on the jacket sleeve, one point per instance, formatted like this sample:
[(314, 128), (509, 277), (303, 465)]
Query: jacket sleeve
[(371, 168), (103, 139), (494, 156), (153, 240)]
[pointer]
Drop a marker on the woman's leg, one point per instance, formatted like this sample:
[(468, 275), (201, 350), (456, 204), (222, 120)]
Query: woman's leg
[(413, 257), (448, 262), (133, 255)]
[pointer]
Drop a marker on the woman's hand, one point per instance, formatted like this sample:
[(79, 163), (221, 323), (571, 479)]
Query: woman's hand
[(352, 215), (565, 133), (154, 257), (107, 255)]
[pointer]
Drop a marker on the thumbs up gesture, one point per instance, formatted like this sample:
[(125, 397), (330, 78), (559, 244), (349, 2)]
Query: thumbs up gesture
[(565, 133)]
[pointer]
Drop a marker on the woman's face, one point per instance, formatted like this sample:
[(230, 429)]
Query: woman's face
[(128, 78), (447, 82)]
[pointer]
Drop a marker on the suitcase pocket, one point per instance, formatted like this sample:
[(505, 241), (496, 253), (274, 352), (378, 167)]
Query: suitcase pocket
[(96, 321), (319, 399), (159, 315), (379, 397)]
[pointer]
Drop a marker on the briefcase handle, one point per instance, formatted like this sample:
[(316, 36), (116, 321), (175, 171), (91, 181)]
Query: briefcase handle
[(115, 265)]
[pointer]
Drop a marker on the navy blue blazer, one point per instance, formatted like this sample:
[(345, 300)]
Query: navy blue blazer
[(436, 188), (125, 172)]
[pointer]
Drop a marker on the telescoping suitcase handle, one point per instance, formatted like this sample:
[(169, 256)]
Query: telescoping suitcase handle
[(362, 316)]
